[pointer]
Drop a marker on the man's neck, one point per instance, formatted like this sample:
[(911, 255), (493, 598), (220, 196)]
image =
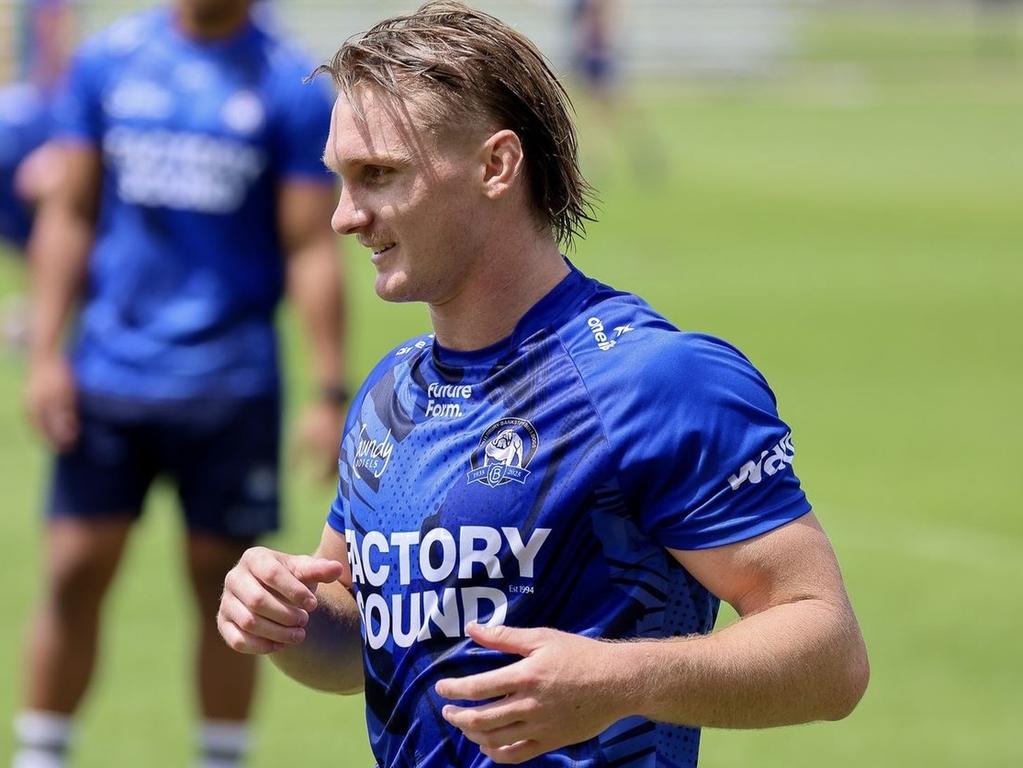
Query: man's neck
[(496, 297)]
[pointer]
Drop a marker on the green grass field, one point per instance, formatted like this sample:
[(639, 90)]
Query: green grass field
[(855, 226)]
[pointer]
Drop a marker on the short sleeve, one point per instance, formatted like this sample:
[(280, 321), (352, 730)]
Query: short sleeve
[(77, 112), (302, 130), (336, 517), (336, 513), (704, 456)]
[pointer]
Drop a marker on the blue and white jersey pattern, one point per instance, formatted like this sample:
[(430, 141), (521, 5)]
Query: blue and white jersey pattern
[(538, 482), (187, 267), (25, 125)]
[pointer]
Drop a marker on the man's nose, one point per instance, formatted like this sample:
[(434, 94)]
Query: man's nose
[(349, 216)]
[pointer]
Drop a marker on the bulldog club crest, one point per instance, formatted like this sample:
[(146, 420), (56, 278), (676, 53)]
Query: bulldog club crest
[(504, 451)]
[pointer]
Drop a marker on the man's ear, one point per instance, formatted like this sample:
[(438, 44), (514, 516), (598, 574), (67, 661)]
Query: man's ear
[(502, 163)]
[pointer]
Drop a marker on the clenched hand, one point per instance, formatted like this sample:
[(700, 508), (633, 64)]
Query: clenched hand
[(268, 597)]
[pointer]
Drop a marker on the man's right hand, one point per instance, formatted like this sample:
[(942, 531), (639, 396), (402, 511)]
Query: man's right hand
[(51, 401), (268, 597)]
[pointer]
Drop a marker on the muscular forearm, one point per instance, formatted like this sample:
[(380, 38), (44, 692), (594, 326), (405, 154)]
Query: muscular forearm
[(330, 658), (58, 255), (314, 285), (792, 663), (796, 655)]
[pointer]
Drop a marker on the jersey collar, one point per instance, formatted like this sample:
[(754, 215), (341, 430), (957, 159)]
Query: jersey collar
[(562, 301)]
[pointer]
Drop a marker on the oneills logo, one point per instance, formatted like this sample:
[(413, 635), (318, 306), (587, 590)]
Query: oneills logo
[(769, 463)]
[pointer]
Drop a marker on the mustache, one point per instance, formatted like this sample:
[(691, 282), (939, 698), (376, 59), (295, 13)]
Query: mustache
[(373, 242)]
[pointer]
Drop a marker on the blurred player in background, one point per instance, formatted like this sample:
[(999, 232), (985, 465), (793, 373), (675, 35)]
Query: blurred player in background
[(193, 195), (555, 466), (998, 28), (26, 170), (48, 29), (593, 46), (29, 169), (623, 130)]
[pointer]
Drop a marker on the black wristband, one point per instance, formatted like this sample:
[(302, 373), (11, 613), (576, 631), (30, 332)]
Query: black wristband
[(335, 394)]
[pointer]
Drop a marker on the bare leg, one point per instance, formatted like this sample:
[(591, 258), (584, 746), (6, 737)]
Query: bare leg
[(82, 557), (226, 679)]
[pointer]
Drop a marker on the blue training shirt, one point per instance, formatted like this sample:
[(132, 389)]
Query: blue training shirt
[(25, 125), (187, 267), (538, 483)]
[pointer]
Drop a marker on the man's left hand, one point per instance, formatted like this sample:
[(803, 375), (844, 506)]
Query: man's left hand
[(562, 692), (318, 437)]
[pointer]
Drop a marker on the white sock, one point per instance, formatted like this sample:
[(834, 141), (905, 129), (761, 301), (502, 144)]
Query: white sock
[(223, 743), (42, 739)]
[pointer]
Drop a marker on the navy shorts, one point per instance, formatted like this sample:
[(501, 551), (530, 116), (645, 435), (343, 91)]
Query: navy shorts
[(222, 456), (595, 69)]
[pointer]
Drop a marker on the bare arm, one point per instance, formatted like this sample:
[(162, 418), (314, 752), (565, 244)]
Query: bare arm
[(330, 659), (315, 288), (795, 655), (314, 274), (58, 257), (300, 610)]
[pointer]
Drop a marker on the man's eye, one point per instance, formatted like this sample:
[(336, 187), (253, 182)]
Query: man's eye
[(376, 172)]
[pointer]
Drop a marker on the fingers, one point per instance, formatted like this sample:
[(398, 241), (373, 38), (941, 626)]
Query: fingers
[(50, 398), (255, 633), (516, 753), (316, 570), (503, 737), (59, 425), (495, 717), (293, 577), (267, 599), (507, 731), (515, 640), (242, 642), (255, 598), (499, 682), (321, 463), (486, 685), (319, 433), (258, 626)]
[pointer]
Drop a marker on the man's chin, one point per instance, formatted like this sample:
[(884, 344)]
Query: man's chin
[(392, 287)]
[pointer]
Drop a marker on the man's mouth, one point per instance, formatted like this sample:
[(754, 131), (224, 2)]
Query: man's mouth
[(382, 249)]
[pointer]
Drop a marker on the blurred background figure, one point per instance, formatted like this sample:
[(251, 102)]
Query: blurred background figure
[(593, 51), (597, 65), (998, 28), (593, 46), (192, 194), (24, 127), (28, 169), (47, 34)]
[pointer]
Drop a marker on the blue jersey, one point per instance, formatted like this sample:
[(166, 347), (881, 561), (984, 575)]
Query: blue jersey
[(187, 267), (538, 483), (24, 126)]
